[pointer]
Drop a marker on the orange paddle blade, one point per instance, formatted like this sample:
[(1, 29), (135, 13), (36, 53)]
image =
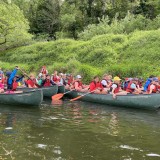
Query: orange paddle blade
[(57, 96), (76, 98)]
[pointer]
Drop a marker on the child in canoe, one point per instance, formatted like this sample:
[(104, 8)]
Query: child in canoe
[(153, 87), (116, 88), (1, 86), (78, 86), (96, 86)]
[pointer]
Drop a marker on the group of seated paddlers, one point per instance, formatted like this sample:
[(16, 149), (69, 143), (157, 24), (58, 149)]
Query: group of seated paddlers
[(107, 85)]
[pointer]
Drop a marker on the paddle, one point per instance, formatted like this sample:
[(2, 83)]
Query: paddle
[(81, 96), (60, 95), (24, 73)]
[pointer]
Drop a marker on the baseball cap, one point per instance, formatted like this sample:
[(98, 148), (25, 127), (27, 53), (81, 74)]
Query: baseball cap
[(78, 76)]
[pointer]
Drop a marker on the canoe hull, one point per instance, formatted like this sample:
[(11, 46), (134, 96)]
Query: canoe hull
[(30, 98), (61, 89), (48, 92), (151, 101)]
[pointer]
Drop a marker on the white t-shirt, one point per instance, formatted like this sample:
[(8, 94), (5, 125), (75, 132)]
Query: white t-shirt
[(133, 86), (114, 86), (103, 82)]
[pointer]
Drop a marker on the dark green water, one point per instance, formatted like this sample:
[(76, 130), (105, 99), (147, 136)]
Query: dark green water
[(78, 131)]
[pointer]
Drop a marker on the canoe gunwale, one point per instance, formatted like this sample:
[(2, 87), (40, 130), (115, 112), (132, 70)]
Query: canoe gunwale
[(48, 92)]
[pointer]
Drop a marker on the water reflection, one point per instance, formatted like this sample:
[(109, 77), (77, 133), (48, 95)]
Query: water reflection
[(78, 131), (113, 125), (57, 102)]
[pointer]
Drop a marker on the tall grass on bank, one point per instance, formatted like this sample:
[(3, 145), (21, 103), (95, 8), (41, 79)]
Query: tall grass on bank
[(136, 54)]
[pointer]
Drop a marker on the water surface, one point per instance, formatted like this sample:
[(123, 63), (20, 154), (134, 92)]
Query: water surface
[(78, 131)]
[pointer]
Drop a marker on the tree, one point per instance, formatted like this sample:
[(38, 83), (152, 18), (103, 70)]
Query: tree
[(13, 27), (47, 18)]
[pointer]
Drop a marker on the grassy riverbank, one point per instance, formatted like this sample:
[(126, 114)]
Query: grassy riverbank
[(136, 54)]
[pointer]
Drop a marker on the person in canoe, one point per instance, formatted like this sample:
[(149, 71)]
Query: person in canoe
[(63, 79), (44, 70), (78, 86), (69, 80), (47, 81), (116, 87), (96, 86), (1, 86), (148, 82), (133, 87), (12, 80), (39, 79), (31, 82), (17, 81), (106, 83), (1, 74), (55, 78), (153, 86)]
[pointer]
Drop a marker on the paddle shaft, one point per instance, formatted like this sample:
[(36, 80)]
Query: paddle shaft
[(68, 91), (88, 93), (24, 73), (81, 96)]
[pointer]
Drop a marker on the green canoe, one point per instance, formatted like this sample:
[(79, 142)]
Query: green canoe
[(47, 91), (61, 89), (145, 101), (29, 98)]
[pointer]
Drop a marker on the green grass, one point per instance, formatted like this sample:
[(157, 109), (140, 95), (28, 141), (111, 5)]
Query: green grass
[(136, 54)]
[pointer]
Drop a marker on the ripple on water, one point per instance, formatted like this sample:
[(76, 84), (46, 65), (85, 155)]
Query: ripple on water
[(42, 146), (153, 155), (130, 148)]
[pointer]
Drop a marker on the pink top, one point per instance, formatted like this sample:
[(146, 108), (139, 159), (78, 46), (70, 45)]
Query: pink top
[(1, 86)]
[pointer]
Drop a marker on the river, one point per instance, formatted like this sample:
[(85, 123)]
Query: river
[(66, 130)]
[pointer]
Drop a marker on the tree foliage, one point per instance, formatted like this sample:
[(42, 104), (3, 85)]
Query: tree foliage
[(13, 27)]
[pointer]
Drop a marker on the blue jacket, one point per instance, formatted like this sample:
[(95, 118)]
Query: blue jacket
[(11, 77), (147, 84)]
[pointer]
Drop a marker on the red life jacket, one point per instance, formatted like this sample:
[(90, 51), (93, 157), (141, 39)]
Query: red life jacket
[(140, 84), (31, 82), (47, 83), (70, 81), (94, 85), (154, 90), (55, 78), (79, 84), (129, 89), (14, 85), (117, 89), (44, 71)]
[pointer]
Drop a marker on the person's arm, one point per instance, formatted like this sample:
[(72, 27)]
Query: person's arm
[(20, 79), (113, 88), (52, 82), (151, 89), (11, 77)]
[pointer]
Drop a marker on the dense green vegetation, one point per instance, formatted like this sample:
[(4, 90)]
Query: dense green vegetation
[(13, 27), (136, 54), (88, 37)]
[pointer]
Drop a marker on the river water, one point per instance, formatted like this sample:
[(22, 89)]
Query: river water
[(66, 130)]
